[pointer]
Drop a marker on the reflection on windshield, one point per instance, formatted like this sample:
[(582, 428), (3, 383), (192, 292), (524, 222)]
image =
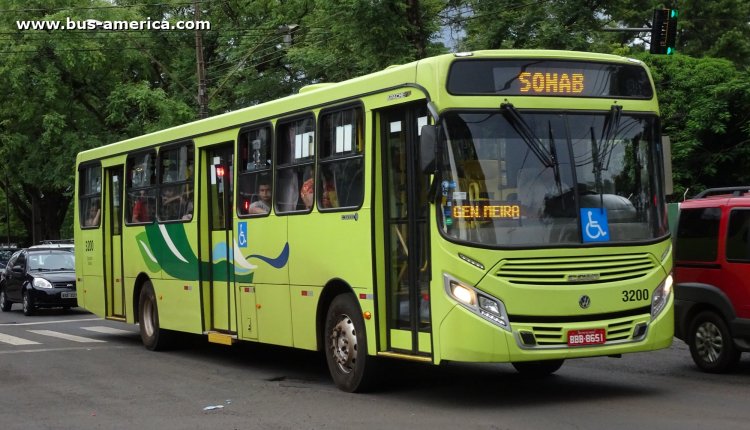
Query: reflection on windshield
[(551, 178), (48, 261)]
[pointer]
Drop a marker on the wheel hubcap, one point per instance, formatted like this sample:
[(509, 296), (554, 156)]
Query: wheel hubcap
[(709, 342), (344, 344), (2, 299), (148, 318), (26, 302)]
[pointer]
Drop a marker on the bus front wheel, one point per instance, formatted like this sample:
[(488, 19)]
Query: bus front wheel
[(351, 368), (154, 337)]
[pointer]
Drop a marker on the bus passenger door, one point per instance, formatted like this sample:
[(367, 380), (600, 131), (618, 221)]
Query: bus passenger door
[(112, 222), (217, 221), (406, 228)]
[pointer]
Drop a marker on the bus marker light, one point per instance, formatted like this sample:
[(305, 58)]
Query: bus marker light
[(257, 306), (306, 293), (364, 296), (367, 315)]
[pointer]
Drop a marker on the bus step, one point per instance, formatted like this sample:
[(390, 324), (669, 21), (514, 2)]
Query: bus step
[(222, 338), (114, 318), (400, 356)]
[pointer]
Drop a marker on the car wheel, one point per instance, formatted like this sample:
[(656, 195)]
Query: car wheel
[(711, 343), (5, 304), (153, 336), (28, 304), (538, 368), (351, 368)]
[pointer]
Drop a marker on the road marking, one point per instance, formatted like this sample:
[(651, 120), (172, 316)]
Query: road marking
[(107, 330), (72, 348), (65, 336), (6, 338), (49, 322)]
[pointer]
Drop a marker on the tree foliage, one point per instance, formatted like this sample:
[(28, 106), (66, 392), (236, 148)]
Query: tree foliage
[(68, 91)]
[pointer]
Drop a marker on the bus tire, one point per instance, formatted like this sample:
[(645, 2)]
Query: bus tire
[(538, 368), (711, 344), (154, 337), (351, 368)]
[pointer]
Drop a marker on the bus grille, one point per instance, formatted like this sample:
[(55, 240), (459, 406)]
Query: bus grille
[(554, 334), (575, 270)]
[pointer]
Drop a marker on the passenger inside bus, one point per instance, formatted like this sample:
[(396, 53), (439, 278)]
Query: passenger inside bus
[(141, 212), (94, 214), (263, 204), (307, 193)]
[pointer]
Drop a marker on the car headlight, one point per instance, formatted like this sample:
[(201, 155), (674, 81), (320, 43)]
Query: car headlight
[(480, 303), (660, 297), (42, 283)]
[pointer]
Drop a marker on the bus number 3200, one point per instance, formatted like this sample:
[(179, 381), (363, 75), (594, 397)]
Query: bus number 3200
[(634, 295)]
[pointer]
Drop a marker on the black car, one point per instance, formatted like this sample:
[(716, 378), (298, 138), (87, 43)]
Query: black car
[(39, 276), (6, 251)]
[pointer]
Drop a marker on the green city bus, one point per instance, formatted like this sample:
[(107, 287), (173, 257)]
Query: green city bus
[(498, 206)]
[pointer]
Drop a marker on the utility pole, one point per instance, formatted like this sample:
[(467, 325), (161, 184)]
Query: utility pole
[(202, 96)]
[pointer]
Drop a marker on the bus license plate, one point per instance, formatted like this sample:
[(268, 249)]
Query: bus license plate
[(68, 295), (595, 336)]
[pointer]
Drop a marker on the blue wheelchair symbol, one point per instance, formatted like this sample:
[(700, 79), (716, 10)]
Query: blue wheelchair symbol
[(594, 225), (242, 234)]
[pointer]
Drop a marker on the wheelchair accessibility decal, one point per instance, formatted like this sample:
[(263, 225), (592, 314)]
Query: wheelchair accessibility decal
[(594, 225), (242, 234)]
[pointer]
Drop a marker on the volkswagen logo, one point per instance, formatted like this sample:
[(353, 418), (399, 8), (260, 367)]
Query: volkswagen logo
[(584, 302)]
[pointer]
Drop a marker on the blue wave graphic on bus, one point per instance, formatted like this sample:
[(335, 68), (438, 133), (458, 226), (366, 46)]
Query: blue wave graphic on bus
[(277, 262)]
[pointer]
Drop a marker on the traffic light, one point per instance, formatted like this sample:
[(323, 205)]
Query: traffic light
[(664, 31)]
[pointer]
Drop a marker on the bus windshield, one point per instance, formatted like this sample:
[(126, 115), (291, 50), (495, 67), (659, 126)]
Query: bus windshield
[(536, 178)]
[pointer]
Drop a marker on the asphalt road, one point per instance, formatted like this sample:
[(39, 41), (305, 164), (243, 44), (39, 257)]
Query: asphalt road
[(85, 373)]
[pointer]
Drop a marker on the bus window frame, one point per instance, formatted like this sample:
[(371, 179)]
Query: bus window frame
[(190, 144), (281, 124), (81, 197), (129, 185), (243, 172), (359, 108)]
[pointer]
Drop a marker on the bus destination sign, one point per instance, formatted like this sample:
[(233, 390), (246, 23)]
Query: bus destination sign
[(549, 77)]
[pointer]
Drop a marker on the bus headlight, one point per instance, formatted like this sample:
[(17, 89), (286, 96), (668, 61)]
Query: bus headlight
[(463, 294), (660, 297), (480, 303)]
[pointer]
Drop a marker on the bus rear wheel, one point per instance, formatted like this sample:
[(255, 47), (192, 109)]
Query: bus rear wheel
[(154, 337), (351, 368), (538, 368)]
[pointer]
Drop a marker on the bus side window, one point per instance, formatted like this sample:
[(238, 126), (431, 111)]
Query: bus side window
[(295, 163), (255, 184), (341, 173), (141, 188)]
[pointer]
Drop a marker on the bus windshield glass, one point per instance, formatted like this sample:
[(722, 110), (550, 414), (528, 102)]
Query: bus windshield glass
[(536, 178)]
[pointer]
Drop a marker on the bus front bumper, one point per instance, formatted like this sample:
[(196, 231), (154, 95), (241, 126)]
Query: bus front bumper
[(468, 338)]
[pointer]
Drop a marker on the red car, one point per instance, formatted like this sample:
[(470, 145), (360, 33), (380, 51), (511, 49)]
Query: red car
[(712, 276)]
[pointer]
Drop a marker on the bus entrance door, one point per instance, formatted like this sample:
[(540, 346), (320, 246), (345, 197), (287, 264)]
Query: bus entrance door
[(219, 165), (406, 230), (112, 222)]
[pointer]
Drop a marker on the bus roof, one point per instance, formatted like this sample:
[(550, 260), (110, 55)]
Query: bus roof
[(320, 94)]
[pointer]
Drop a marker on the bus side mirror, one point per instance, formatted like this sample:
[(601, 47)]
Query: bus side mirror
[(427, 146)]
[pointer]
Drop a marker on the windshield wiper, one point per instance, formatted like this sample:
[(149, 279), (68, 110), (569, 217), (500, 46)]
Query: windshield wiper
[(519, 125), (611, 125)]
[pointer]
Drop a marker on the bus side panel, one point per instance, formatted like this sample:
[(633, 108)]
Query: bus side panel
[(324, 247), (90, 268), (179, 305), (274, 319), (304, 305)]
